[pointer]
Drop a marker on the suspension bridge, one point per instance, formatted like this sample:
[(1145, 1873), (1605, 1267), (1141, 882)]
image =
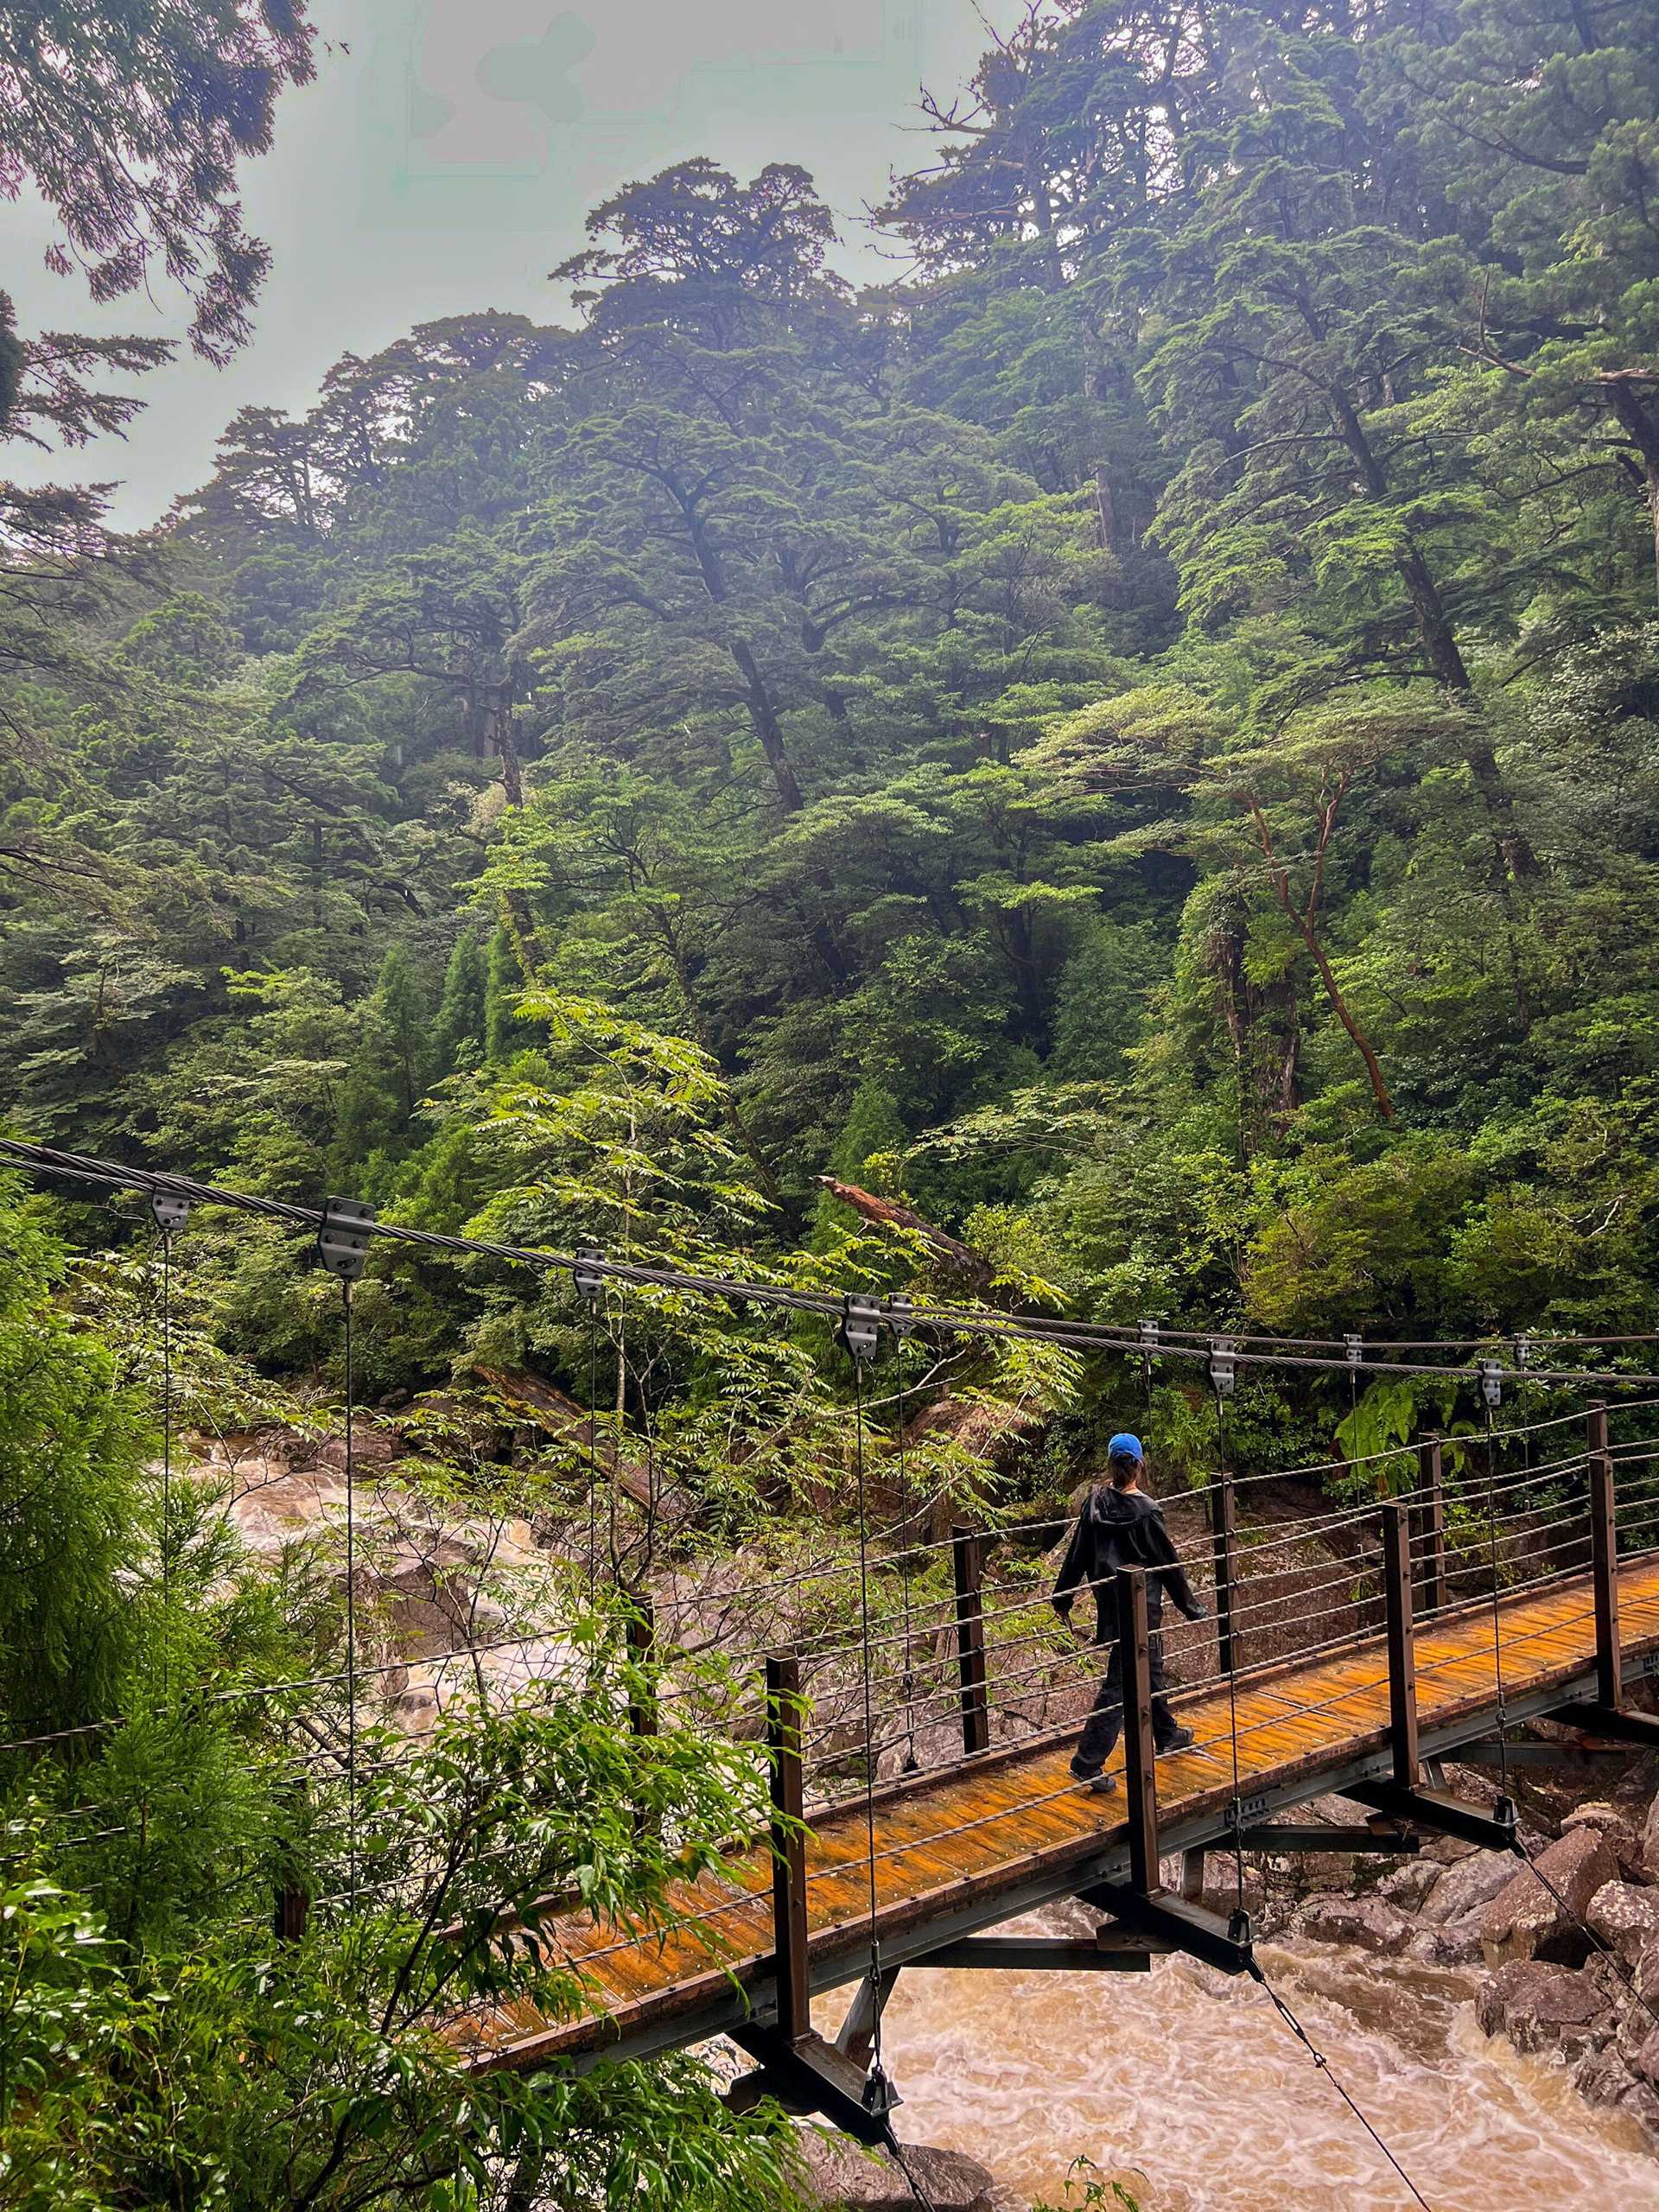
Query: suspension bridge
[(921, 1794), (912, 1873)]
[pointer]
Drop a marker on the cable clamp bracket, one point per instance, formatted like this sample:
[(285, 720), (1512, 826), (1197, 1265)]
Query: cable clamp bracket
[(1224, 1366), (899, 1313), (860, 1326), (586, 1280), (1354, 1349), (1490, 1372), (168, 1211), (880, 2094), (342, 1245)]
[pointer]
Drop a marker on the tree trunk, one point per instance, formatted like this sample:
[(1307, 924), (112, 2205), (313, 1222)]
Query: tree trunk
[(763, 715), (1642, 431), (1303, 925), (1440, 648)]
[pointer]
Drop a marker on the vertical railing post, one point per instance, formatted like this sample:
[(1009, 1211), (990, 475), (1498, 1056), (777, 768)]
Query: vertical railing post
[(642, 1645), (1431, 1522), (642, 1697), (788, 1846), (1402, 1660), (293, 1900), (1603, 1560), (968, 1557), (1223, 1532), (293, 1910), (1139, 1752)]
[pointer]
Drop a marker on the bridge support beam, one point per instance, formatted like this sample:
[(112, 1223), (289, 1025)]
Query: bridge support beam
[(810, 2075), (1604, 1563), (1580, 1762), (855, 2037), (1327, 1835), (1440, 1813), (1403, 1658), (789, 1963), (642, 1698), (1009, 1953), (1223, 1530), (1613, 1722), (968, 1559), (1430, 1523), (1140, 1751), (1166, 1923)]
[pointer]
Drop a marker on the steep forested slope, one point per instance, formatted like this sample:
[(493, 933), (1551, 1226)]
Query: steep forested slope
[(1140, 735)]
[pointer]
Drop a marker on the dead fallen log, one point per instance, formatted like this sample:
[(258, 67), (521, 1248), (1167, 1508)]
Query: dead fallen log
[(960, 1260)]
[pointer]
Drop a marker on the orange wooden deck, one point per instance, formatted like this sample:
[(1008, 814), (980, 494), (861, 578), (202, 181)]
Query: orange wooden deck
[(980, 1842)]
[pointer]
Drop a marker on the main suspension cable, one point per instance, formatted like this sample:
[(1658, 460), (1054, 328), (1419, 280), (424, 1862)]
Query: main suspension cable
[(967, 1321)]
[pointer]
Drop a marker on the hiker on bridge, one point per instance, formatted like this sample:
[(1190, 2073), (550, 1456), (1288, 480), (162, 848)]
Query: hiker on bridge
[(1121, 1526)]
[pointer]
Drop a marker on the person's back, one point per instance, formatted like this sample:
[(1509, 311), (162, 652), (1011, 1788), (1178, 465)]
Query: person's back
[(1121, 1526)]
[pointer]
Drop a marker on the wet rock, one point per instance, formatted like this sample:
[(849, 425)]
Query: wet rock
[(1650, 1843), (1468, 1885), (1449, 1920), (1409, 1886), (1643, 2057), (1363, 1923), (1617, 1832), (1547, 2008), (1524, 1921), (842, 2175), (1605, 2077), (373, 1449), (1625, 1917)]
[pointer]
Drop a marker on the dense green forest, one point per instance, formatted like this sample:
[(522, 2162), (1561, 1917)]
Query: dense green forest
[(1138, 735), (1137, 741)]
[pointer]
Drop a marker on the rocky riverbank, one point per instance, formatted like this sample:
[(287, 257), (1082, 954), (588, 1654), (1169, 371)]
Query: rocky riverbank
[(1570, 1950)]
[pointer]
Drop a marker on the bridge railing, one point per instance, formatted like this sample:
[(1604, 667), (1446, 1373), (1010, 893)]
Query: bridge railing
[(965, 1654)]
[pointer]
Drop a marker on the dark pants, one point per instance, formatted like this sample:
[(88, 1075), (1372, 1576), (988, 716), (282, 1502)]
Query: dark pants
[(1104, 1724)]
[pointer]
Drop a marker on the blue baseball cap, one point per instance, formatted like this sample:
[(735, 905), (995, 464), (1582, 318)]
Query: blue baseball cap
[(1125, 1447)]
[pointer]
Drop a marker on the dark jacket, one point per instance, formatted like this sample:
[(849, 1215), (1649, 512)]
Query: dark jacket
[(1118, 1528)]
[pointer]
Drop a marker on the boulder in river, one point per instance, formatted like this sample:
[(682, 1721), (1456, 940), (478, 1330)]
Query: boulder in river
[(1621, 1834), (1364, 1923), (1560, 2010), (840, 2173), (1625, 1917), (1607, 2077), (1524, 1920)]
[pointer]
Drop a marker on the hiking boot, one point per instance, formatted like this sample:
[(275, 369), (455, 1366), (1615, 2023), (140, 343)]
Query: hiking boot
[(1103, 1784), (1179, 1741), (1081, 1770)]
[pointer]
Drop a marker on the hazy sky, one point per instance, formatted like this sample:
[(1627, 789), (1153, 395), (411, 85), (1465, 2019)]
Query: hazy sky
[(447, 153)]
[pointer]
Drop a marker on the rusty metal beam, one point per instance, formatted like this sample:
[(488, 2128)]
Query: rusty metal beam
[(1402, 1660), (1440, 1813), (968, 1559), (790, 1966), (1139, 1751), (1604, 1563), (1012, 1953)]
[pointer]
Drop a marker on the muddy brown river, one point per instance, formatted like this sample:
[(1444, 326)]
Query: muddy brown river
[(1188, 2087)]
